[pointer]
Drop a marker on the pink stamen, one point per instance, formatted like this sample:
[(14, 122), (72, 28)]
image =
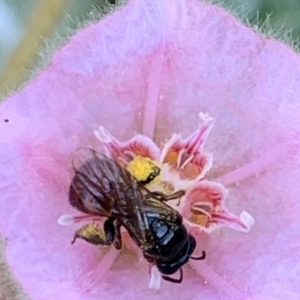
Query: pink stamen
[(190, 158), (205, 204), (130, 153), (84, 218), (196, 141), (225, 219), (109, 141), (201, 210), (179, 158), (181, 161), (66, 220)]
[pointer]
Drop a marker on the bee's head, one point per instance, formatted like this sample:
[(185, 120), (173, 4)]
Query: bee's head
[(173, 264), (173, 245)]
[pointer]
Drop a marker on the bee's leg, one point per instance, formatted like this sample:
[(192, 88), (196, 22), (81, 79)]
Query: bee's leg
[(118, 237), (163, 197), (203, 256), (174, 280), (92, 234)]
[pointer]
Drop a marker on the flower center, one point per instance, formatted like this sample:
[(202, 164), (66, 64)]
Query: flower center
[(151, 174), (183, 161)]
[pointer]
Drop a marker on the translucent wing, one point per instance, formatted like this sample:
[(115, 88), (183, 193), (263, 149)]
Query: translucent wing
[(102, 187)]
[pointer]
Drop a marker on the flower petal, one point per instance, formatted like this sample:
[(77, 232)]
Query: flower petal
[(187, 156), (139, 145), (204, 206), (228, 219), (204, 61)]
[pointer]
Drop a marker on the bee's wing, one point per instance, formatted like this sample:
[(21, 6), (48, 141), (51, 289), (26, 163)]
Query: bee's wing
[(101, 186), (160, 210)]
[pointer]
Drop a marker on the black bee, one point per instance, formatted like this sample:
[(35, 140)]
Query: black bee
[(101, 187)]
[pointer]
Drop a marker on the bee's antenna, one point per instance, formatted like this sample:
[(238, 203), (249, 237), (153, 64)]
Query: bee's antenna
[(203, 256)]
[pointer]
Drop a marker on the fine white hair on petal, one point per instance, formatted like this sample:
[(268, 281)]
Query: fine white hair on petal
[(247, 219), (155, 278)]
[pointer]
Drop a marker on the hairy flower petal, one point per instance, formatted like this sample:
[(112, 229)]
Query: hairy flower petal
[(186, 57)]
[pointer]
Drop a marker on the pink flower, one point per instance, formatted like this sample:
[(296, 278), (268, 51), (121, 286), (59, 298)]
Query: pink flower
[(149, 69), (182, 164), (177, 168)]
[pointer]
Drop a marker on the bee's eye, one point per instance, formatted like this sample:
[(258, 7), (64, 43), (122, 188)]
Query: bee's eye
[(159, 228)]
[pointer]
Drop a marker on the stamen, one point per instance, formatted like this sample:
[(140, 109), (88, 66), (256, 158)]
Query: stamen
[(189, 159), (112, 147), (103, 135), (222, 218), (197, 140), (155, 278), (204, 204), (66, 220), (247, 219), (130, 154), (200, 210), (179, 157)]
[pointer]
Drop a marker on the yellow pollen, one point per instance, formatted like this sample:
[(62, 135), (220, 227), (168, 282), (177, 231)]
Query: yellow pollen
[(171, 157), (190, 170), (145, 170), (199, 219), (89, 231)]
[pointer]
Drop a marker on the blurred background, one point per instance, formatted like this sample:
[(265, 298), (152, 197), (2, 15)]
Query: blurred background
[(27, 27)]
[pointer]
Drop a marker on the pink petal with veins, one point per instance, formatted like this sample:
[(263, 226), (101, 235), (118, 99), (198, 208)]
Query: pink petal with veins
[(138, 145), (204, 206), (150, 68), (187, 155)]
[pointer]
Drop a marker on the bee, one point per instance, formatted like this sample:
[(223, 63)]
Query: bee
[(101, 187)]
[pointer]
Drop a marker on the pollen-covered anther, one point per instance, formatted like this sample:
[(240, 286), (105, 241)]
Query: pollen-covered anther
[(202, 208), (201, 213), (144, 170), (91, 233)]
